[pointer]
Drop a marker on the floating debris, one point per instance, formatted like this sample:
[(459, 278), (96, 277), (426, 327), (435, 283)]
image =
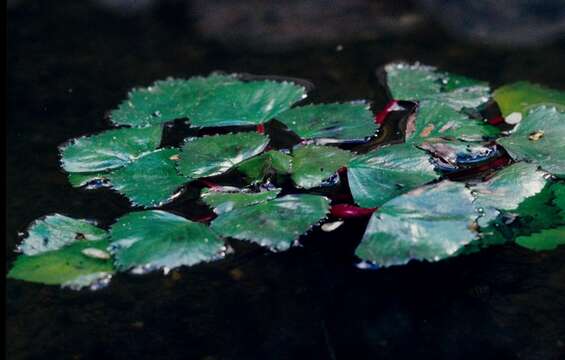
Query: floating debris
[(331, 226), (96, 253)]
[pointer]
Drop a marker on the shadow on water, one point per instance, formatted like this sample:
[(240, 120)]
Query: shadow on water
[(68, 64)]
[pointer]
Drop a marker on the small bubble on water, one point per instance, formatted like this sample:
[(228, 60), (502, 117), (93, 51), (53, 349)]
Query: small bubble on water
[(367, 265)]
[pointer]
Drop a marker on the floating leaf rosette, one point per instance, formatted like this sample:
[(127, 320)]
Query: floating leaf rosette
[(511, 192)]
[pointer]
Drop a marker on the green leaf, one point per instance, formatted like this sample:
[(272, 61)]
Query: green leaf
[(167, 100), (507, 189), (346, 121), (312, 164), (56, 231), (429, 223), (468, 97), (267, 164), (382, 174), (222, 201), (68, 266), (419, 82), (539, 138), (548, 239), (412, 82), (154, 239), (523, 96), (533, 213), (216, 100), (436, 119), (108, 150), (83, 179), (214, 155), (559, 201), (248, 103), (455, 82), (277, 223), (150, 181), (538, 212)]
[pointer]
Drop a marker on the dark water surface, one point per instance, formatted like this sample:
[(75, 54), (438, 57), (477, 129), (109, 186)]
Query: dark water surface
[(70, 62)]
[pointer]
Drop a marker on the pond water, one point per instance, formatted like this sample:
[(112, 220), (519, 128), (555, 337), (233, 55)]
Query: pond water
[(68, 64)]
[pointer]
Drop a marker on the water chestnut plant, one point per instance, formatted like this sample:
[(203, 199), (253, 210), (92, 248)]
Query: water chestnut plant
[(271, 168)]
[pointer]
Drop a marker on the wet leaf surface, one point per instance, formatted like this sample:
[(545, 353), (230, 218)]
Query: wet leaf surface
[(412, 82), (533, 214), (559, 200), (508, 188), (214, 155), (340, 121), (56, 231), (84, 179), (167, 100), (154, 239), (67, 266), (429, 223), (248, 103), (547, 239), (539, 138), (421, 82), (222, 201), (436, 119), (108, 150), (150, 181), (382, 174), (523, 96), (312, 164), (277, 223), (268, 164)]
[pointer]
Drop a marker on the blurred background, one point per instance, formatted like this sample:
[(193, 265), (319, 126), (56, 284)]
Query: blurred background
[(70, 62)]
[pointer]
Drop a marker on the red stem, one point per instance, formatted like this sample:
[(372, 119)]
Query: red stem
[(381, 115), (348, 211)]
